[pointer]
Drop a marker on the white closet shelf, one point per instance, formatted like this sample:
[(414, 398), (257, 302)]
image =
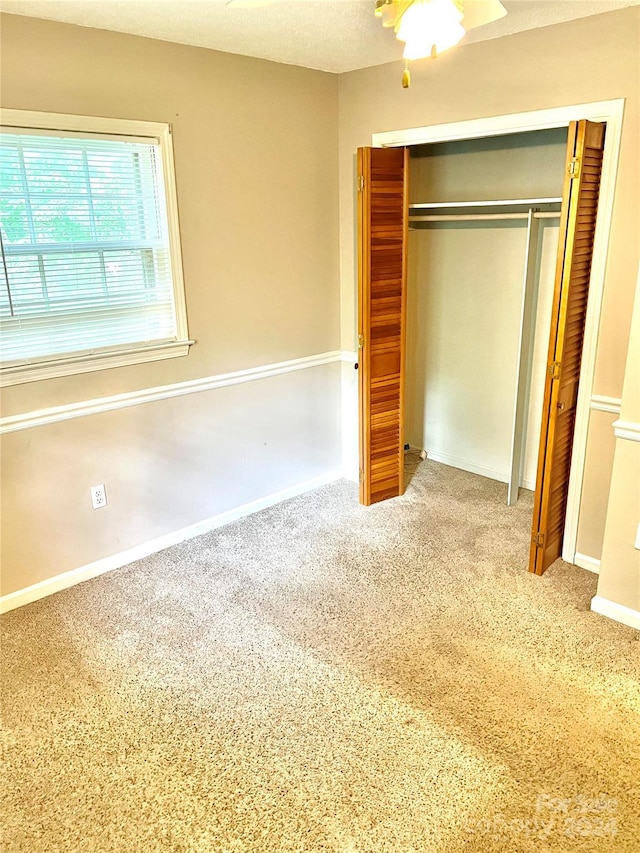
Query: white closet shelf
[(521, 203), (477, 217), (470, 211)]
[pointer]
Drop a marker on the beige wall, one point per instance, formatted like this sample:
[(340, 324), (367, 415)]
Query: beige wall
[(166, 464), (619, 580), (510, 166), (256, 166), (595, 497), (587, 60)]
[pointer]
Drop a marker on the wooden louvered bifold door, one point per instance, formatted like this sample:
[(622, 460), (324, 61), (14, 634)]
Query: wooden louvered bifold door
[(577, 229), (382, 249)]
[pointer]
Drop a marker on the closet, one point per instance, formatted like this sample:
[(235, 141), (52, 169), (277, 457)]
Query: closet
[(477, 358), (483, 237)]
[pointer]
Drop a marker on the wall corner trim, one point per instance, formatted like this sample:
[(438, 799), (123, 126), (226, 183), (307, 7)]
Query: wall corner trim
[(41, 417), (116, 561), (618, 612), (627, 429)]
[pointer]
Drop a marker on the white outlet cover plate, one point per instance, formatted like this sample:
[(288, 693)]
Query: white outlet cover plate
[(98, 496)]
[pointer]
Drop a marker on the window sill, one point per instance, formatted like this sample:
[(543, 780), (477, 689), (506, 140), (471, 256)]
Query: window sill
[(84, 363)]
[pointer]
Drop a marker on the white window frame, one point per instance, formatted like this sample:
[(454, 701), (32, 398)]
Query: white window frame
[(67, 365)]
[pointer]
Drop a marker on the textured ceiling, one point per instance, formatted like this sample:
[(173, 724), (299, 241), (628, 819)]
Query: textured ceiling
[(329, 35)]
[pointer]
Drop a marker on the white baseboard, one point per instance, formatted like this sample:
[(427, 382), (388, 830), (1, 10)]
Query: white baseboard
[(588, 563), (465, 465), (67, 579), (618, 612), (482, 470)]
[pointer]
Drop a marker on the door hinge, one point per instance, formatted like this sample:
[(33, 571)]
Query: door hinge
[(553, 369), (361, 475), (574, 167), (360, 183), (538, 539), (360, 341)]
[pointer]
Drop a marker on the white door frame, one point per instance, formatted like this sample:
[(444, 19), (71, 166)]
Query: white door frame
[(610, 112)]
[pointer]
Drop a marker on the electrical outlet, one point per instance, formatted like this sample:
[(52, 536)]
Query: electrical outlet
[(637, 545), (98, 496)]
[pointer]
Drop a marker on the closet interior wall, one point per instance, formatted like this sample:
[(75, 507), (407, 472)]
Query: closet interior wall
[(464, 301)]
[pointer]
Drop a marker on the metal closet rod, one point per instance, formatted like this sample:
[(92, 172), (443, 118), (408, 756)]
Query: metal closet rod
[(476, 217)]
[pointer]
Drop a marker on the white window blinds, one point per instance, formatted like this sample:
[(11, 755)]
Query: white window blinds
[(85, 264)]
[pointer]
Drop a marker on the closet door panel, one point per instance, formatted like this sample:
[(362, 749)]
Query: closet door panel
[(382, 248), (577, 229)]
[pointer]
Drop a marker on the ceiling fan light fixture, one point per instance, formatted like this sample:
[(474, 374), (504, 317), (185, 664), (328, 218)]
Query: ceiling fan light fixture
[(477, 13), (429, 26)]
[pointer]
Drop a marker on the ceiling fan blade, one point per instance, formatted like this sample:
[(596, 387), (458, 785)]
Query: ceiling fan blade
[(476, 13)]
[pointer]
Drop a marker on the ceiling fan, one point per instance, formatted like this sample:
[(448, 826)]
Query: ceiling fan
[(427, 27)]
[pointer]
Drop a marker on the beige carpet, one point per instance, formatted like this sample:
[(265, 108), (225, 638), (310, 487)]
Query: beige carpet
[(324, 677)]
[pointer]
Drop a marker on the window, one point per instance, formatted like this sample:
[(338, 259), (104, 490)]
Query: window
[(90, 273)]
